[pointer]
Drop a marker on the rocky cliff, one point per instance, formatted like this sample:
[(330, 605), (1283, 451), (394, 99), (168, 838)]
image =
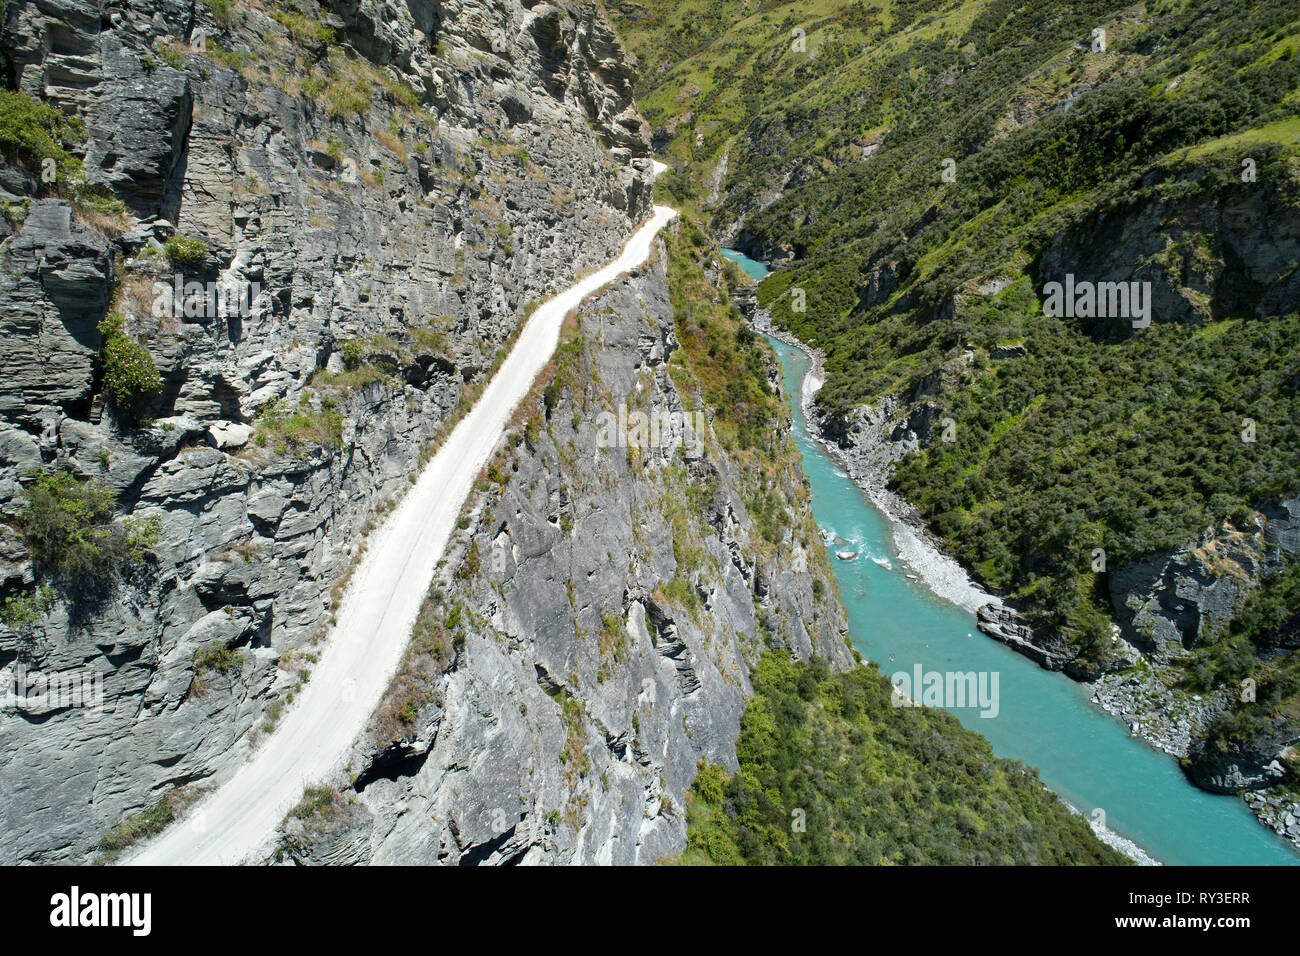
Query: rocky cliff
[(387, 186), (589, 639)]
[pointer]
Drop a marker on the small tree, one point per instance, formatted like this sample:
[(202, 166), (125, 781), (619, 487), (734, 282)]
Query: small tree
[(70, 528), (32, 131), (354, 354)]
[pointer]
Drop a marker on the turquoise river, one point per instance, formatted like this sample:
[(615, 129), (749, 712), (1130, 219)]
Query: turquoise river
[(1044, 719)]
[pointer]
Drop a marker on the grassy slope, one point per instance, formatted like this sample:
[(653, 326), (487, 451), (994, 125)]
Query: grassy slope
[(721, 365), (1099, 437)]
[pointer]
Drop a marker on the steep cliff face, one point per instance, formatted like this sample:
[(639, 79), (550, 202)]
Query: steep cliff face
[(1207, 253), (590, 639), (387, 186)]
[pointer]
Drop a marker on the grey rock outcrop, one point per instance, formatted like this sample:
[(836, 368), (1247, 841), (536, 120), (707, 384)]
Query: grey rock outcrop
[(1206, 256), (1255, 769), (611, 605), (54, 282), (1003, 624), (1169, 604), (404, 176)]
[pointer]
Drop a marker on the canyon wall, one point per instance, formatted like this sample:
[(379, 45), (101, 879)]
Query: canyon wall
[(393, 184)]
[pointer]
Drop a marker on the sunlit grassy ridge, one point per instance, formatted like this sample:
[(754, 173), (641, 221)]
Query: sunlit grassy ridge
[(724, 366)]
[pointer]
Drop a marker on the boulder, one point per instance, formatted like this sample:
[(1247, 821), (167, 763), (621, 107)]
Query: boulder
[(229, 436)]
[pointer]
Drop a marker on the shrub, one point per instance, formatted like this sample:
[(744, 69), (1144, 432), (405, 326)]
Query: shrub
[(710, 783), (354, 354), (222, 11), (170, 54), (32, 131), (69, 526), (303, 30), (141, 535), (19, 610), (347, 98), (130, 374), (99, 209), (334, 149), (219, 658), (314, 799), (304, 427), (185, 251), (34, 134), (430, 340), (231, 59)]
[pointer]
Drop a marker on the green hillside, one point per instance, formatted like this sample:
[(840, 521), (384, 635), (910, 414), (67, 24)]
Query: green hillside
[(831, 773), (920, 171)]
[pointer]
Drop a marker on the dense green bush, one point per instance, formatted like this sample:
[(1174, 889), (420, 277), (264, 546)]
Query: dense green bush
[(70, 528), (39, 137), (20, 610), (32, 131), (185, 251), (871, 783), (354, 353), (130, 375)]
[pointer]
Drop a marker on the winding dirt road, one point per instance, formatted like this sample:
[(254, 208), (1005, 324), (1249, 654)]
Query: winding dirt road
[(237, 822)]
